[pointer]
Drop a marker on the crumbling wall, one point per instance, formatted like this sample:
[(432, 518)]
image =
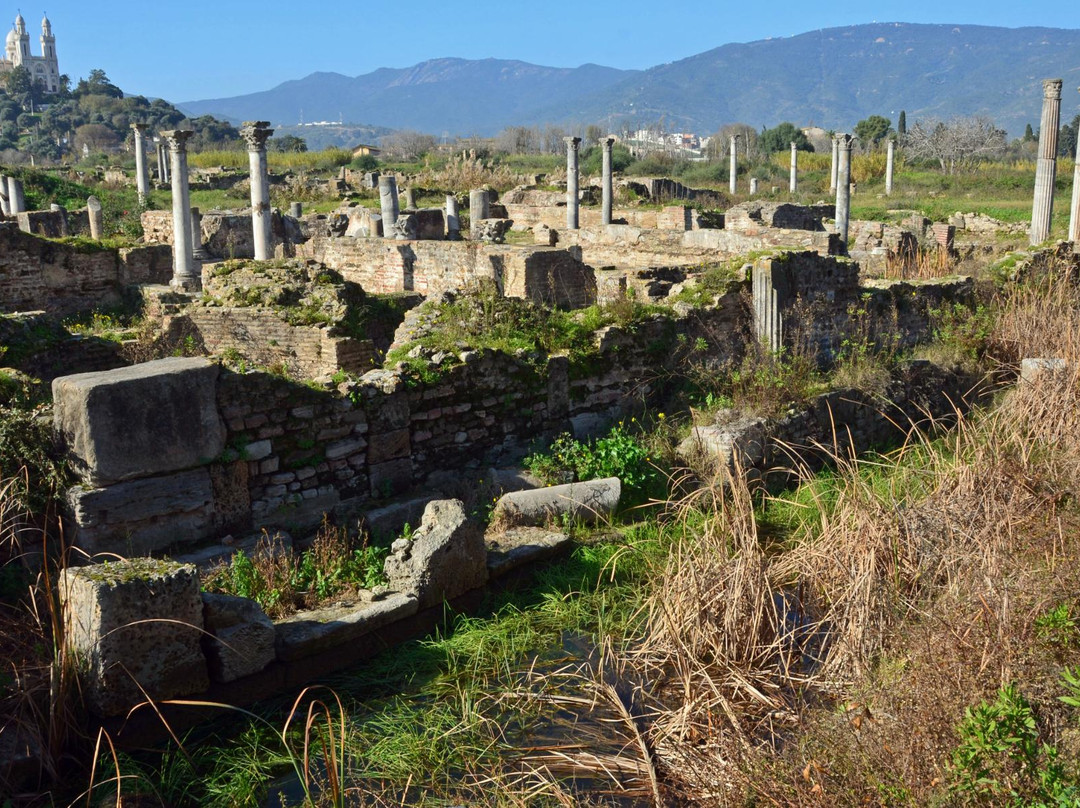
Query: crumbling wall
[(383, 266), (39, 274)]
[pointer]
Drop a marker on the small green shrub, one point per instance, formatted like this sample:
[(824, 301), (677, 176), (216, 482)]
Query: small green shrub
[(1002, 759), (618, 454)]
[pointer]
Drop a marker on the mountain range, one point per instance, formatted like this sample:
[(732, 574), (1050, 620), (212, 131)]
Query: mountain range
[(831, 78)]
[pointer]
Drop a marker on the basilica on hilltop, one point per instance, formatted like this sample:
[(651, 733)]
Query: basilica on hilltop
[(44, 68)]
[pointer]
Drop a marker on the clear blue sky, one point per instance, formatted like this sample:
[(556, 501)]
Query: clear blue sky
[(193, 49)]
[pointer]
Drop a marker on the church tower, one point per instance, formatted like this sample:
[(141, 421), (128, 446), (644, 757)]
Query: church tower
[(48, 56)]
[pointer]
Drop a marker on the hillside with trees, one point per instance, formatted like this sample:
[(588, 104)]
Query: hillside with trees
[(94, 116)]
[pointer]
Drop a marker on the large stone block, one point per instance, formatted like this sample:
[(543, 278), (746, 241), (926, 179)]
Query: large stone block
[(243, 636), (586, 502), (134, 626), (139, 421), (446, 556), (140, 517)]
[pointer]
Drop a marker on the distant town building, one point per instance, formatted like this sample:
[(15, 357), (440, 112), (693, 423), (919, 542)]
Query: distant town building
[(44, 68), (363, 150)]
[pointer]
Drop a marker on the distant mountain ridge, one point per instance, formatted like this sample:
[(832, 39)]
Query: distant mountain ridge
[(831, 77)]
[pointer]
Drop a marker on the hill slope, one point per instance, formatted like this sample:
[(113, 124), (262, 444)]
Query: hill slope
[(832, 78)]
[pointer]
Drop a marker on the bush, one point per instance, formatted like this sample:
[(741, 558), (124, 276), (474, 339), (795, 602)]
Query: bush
[(618, 454)]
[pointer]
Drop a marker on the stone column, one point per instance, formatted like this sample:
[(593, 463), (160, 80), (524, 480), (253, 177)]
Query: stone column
[(753, 186), (608, 183), (453, 221), (410, 199), (793, 178), (184, 276), (572, 146), (16, 201), (388, 200), (255, 135), (197, 250), (478, 209), (835, 163), (5, 205), (842, 145), (296, 210), (889, 160), (162, 171), (1074, 209), (97, 220), (142, 181), (1043, 206), (734, 163)]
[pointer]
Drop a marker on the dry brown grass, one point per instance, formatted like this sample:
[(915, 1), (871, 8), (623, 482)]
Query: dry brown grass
[(834, 670)]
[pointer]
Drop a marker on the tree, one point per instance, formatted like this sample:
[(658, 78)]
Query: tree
[(901, 124), (780, 138), (1029, 134), (748, 138), (407, 144), (871, 131), (957, 144), (96, 137), (97, 83), (287, 143), (1067, 137)]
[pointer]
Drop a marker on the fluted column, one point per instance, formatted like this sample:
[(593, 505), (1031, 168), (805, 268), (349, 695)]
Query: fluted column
[(608, 182), (1074, 209), (1043, 205), (142, 180), (734, 165), (842, 145), (255, 135), (793, 179), (184, 276), (889, 160), (572, 146), (835, 164)]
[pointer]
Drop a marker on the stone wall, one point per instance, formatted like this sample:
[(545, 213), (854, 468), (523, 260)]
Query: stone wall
[(383, 266), (263, 338), (225, 234), (292, 452), (36, 273)]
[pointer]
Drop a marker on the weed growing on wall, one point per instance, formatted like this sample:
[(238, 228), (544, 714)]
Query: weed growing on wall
[(617, 454)]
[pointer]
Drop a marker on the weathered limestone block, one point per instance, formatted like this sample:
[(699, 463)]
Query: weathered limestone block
[(587, 502), (492, 230), (523, 545), (243, 641), (140, 517), (430, 223), (147, 419), (445, 558), (135, 624), (307, 633), (739, 444), (1032, 370)]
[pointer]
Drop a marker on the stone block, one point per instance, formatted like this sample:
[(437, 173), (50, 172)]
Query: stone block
[(522, 545), (586, 502), (134, 624), (1034, 369), (307, 633), (139, 517), (430, 223), (739, 444), (139, 421), (445, 558), (243, 636), (388, 446)]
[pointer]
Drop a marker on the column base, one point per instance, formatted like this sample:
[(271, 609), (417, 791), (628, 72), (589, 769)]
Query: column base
[(186, 284)]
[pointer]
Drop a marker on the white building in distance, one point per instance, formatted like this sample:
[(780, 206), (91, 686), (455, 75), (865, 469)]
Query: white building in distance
[(44, 68)]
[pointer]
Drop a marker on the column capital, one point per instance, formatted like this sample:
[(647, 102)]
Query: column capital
[(177, 138), (843, 140), (572, 143), (255, 134), (736, 137), (1052, 88), (607, 142), (140, 129)]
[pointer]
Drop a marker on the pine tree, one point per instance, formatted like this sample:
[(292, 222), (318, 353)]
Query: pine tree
[(901, 124), (1028, 133)]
